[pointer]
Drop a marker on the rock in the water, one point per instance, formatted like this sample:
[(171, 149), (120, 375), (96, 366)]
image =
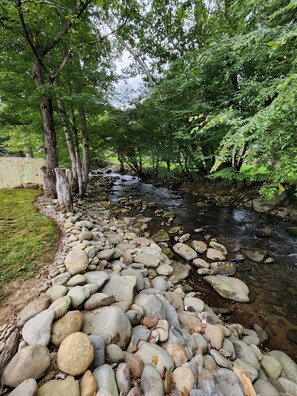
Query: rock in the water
[(88, 385), (185, 251), (151, 382), (228, 383), (32, 309), (38, 329), (105, 379), (68, 386), (200, 263), (199, 246), (218, 246), (265, 388), (215, 255), (75, 354), (26, 388), (226, 268), (263, 232), (262, 206), (161, 236), (153, 354), (109, 322), (30, 362), (68, 324), (230, 288), (76, 262), (258, 257), (121, 287)]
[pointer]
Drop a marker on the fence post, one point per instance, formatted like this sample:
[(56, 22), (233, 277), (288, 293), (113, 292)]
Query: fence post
[(64, 189)]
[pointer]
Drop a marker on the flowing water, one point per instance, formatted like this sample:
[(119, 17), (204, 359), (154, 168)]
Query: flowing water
[(273, 287)]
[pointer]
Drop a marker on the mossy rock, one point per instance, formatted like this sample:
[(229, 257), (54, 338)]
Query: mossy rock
[(203, 205), (152, 205), (168, 215), (168, 252), (161, 236), (292, 230), (174, 230)]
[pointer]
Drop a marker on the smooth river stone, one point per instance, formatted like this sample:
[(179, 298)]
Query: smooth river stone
[(228, 383), (68, 386), (32, 309), (151, 353), (289, 367), (26, 388), (76, 262), (199, 246), (215, 255), (185, 251), (230, 288), (109, 322), (184, 379), (38, 329), (30, 362), (121, 287), (75, 354), (88, 385), (56, 292), (68, 324), (105, 379), (98, 278), (151, 382), (78, 295), (60, 306)]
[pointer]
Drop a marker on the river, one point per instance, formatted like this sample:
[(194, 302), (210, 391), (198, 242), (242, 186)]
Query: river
[(273, 288)]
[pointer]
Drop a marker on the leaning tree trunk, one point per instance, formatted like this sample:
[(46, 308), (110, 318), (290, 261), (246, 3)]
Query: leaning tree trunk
[(64, 189), (86, 147)]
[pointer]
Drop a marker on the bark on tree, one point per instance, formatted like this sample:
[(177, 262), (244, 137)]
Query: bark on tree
[(64, 189), (86, 147)]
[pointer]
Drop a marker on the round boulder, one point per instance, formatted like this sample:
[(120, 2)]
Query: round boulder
[(76, 262)]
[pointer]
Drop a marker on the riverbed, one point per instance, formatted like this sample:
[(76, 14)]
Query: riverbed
[(273, 288)]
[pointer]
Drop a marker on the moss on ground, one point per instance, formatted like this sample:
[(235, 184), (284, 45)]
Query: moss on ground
[(25, 235)]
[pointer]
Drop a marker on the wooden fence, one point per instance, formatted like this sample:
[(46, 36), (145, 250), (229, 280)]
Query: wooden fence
[(17, 170)]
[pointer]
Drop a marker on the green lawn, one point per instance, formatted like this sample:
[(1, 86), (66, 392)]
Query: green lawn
[(25, 234)]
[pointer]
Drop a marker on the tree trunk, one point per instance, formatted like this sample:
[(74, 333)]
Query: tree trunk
[(64, 189), (86, 147), (50, 140), (77, 153), (69, 139)]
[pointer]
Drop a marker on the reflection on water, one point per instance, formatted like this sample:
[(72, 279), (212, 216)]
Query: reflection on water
[(273, 285)]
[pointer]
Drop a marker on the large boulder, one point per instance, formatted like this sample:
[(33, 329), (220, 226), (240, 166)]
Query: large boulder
[(76, 262), (230, 288), (30, 362), (98, 278), (38, 329), (109, 322), (121, 287)]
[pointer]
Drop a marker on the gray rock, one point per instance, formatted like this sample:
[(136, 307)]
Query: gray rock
[(258, 257), (247, 369), (121, 287), (170, 313), (199, 246), (220, 360), (57, 291), (105, 379), (99, 350), (98, 300), (272, 368), (123, 378), (151, 305), (230, 288), (60, 306), (244, 352), (226, 268), (151, 382), (180, 271), (76, 262), (215, 255), (106, 254), (185, 251), (218, 246), (290, 387), (261, 205), (38, 329), (134, 317), (77, 280), (159, 283), (26, 388), (228, 383), (137, 274), (251, 340), (84, 224), (30, 362), (195, 303), (109, 322), (68, 386), (61, 279), (265, 388), (114, 354), (98, 278), (147, 353), (149, 260), (200, 263), (289, 367), (78, 295), (32, 309), (70, 323)]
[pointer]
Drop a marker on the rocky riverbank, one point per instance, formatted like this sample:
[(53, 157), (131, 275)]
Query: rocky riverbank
[(116, 317)]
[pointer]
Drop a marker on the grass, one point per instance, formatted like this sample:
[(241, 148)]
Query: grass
[(25, 234)]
